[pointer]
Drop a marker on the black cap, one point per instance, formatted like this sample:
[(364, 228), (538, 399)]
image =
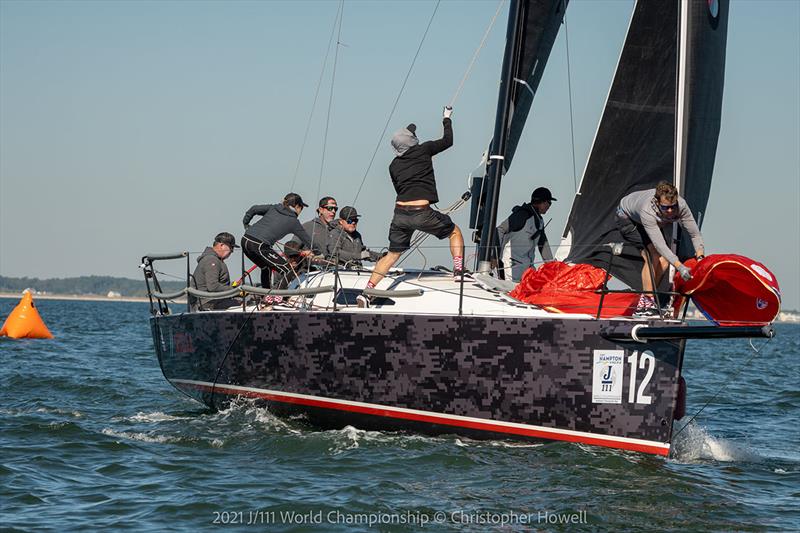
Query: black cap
[(542, 194), (348, 213), (412, 128), (226, 238), (292, 199)]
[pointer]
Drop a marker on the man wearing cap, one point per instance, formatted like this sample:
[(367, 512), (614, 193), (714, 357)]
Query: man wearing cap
[(320, 228), (277, 221), (414, 182), (345, 242), (522, 233), (211, 273)]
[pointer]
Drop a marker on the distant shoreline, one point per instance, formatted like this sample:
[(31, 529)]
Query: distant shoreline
[(78, 297)]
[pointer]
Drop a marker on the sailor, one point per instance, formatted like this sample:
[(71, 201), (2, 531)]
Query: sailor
[(319, 228), (641, 218), (276, 222), (413, 179), (211, 273), (345, 244), (522, 233)]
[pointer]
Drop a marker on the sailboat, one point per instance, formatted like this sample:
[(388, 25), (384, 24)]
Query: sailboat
[(441, 355)]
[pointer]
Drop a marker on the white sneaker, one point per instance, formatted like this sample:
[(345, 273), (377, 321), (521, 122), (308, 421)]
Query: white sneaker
[(362, 301)]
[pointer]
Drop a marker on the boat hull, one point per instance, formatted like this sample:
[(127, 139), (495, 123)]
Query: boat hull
[(559, 379)]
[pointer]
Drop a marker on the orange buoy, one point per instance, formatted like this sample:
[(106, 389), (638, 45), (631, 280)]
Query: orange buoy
[(25, 322)]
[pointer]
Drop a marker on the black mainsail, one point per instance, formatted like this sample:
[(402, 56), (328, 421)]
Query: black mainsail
[(661, 121), (532, 30)]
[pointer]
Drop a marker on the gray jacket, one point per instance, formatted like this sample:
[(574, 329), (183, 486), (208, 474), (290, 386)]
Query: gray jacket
[(277, 221), (641, 208), (320, 237), (519, 236), (210, 275), (349, 247)]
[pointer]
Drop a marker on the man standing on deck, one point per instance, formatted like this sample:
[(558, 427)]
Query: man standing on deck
[(211, 273), (521, 234), (413, 179), (641, 219)]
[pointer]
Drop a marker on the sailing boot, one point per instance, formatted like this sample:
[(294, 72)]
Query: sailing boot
[(646, 308)]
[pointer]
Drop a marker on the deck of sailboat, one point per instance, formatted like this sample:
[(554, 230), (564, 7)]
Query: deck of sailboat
[(441, 294)]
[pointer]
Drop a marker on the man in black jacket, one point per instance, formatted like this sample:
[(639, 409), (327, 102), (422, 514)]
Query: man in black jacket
[(211, 273), (413, 179), (519, 236), (345, 242)]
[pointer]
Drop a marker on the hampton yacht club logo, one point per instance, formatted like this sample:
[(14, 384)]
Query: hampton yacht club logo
[(761, 303), (607, 376)]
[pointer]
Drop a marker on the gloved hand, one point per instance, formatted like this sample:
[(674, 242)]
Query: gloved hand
[(365, 254), (685, 273), (375, 256), (448, 111)]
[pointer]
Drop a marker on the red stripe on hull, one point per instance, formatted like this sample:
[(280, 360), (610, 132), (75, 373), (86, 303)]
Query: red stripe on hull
[(470, 424)]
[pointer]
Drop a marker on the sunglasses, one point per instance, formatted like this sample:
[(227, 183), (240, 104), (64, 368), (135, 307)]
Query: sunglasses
[(665, 208), (331, 208), (352, 221)]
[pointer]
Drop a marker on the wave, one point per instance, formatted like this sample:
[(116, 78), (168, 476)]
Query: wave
[(695, 444)]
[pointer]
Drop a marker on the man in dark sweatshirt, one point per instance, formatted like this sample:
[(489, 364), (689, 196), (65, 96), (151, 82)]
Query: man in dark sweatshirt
[(211, 273), (277, 221), (522, 233), (413, 179)]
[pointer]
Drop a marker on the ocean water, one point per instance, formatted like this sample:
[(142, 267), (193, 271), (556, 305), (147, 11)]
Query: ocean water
[(92, 437)]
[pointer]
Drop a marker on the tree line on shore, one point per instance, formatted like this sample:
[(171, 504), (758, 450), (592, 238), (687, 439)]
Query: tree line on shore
[(84, 285)]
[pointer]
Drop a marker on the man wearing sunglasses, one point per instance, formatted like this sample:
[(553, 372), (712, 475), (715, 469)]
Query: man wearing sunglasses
[(642, 218), (319, 228), (345, 242)]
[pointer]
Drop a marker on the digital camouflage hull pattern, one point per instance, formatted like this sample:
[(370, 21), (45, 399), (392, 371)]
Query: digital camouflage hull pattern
[(478, 376)]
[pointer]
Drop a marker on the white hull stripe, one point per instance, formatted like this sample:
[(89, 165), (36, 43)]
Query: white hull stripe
[(415, 414)]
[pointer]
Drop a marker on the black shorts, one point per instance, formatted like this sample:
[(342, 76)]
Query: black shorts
[(409, 219), (633, 233)]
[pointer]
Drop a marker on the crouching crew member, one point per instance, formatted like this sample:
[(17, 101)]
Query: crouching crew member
[(413, 179), (345, 242), (211, 273), (276, 222), (641, 219)]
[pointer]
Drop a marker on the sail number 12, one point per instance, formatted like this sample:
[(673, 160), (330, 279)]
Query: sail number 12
[(608, 376)]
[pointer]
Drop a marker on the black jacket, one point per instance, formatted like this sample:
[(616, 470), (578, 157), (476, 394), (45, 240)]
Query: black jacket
[(412, 172), (277, 221)]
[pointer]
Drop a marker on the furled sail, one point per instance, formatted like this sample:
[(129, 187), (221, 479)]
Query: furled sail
[(661, 122), (538, 24)]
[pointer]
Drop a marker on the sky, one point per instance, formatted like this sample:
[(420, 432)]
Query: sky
[(129, 128)]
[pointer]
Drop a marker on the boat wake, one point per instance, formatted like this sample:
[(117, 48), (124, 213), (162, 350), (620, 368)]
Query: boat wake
[(695, 444)]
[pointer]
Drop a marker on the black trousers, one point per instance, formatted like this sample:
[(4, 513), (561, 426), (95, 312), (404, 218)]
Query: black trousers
[(267, 260)]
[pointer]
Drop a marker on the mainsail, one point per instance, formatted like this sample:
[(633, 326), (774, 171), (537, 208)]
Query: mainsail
[(658, 99), (533, 27)]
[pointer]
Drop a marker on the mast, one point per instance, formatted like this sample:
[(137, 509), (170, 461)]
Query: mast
[(495, 165)]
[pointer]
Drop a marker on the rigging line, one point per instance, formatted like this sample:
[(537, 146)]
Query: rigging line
[(571, 122), (316, 95), (477, 52), (328, 117), (396, 101), (391, 113), (725, 385)]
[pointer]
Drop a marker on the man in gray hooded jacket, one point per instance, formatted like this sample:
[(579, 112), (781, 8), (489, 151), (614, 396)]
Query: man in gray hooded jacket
[(522, 233), (211, 273)]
